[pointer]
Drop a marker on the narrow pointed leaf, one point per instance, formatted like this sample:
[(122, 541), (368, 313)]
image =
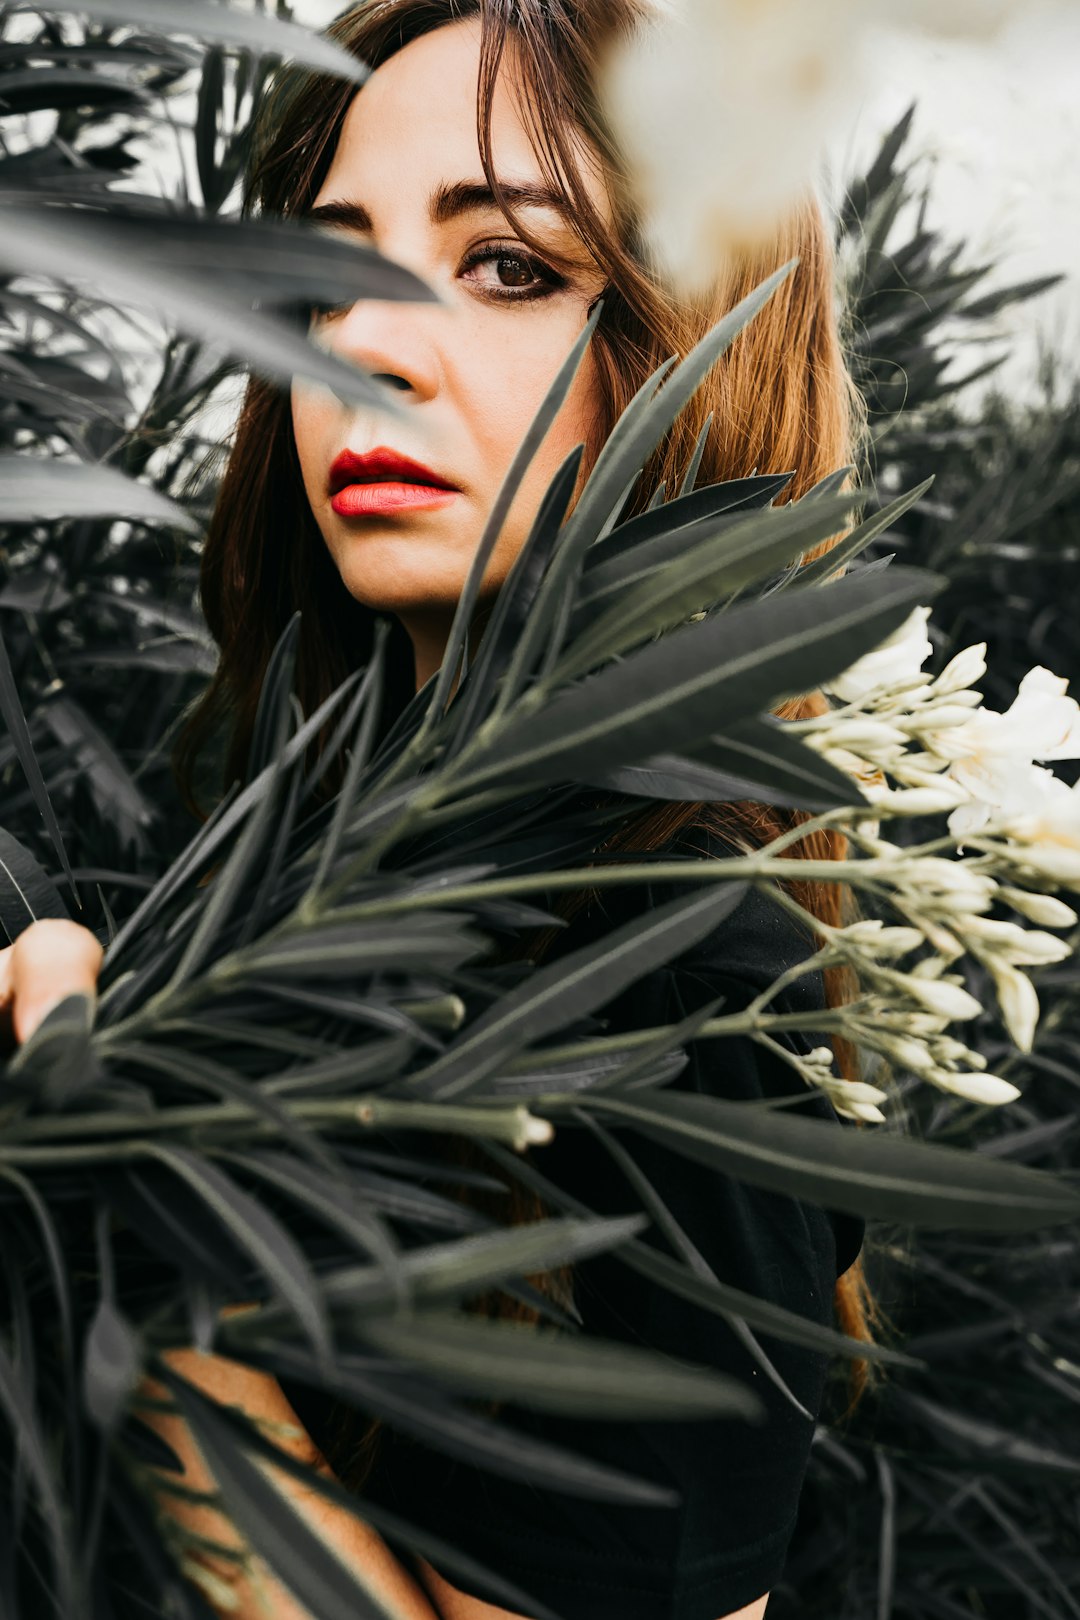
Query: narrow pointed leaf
[(258, 1233), (883, 1176), (579, 983), (671, 693), (260, 32), (12, 715), (558, 1372), (44, 489), (26, 891)]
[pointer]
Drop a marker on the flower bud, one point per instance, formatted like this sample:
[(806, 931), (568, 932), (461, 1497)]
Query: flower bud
[(947, 999), (940, 716), (989, 1089), (968, 666), (947, 1050), (910, 1053), (871, 936), (531, 1129), (1018, 1001), (864, 1111), (916, 801), (862, 735), (860, 1091), (1022, 947), (1040, 908)]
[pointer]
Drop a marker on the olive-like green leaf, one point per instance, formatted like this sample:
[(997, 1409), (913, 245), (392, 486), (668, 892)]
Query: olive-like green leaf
[(874, 1174), (258, 1233), (682, 512), (658, 585), (220, 825), (75, 244), (774, 767), (755, 760), (515, 598), (557, 1372), (58, 1060), (12, 715), (26, 891), (672, 693), (258, 31), (350, 949), (576, 984), (333, 1200), (635, 436), (448, 1270), (412, 1407), (824, 567), (41, 1465)]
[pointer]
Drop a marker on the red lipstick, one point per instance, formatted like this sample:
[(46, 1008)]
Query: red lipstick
[(383, 480)]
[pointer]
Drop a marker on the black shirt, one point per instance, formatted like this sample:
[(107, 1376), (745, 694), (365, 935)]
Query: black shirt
[(739, 1482)]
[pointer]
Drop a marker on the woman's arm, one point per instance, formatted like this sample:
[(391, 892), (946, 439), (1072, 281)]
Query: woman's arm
[(261, 1596), (50, 960)]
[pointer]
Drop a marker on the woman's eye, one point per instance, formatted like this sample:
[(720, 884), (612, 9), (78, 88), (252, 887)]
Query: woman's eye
[(526, 277), (517, 276), (322, 312)]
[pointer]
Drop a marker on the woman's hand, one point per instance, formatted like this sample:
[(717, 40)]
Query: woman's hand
[(51, 959)]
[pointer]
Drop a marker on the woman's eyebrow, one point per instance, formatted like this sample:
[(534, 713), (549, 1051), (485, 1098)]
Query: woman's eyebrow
[(448, 201)]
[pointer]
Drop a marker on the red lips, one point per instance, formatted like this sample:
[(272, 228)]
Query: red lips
[(382, 465)]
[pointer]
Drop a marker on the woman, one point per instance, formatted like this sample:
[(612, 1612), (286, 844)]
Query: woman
[(520, 225)]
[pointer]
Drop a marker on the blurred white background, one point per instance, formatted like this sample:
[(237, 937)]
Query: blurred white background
[(998, 127)]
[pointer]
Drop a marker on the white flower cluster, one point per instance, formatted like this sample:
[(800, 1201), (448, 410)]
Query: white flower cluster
[(922, 746)]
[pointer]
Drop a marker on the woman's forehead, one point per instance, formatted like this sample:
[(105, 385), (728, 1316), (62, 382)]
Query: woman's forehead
[(414, 122)]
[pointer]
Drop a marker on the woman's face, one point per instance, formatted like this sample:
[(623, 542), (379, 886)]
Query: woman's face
[(470, 373)]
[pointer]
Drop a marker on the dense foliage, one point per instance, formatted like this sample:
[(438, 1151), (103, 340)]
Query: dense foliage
[(965, 1468)]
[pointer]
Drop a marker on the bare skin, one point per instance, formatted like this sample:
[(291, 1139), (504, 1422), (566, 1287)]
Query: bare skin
[(472, 373)]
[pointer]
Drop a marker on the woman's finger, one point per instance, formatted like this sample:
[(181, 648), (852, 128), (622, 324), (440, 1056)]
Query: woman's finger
[(51, 959)]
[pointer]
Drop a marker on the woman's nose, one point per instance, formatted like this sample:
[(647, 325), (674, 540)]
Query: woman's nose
[(394, 342)]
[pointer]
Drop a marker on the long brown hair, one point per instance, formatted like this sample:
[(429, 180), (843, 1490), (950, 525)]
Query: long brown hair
[(781, 399)]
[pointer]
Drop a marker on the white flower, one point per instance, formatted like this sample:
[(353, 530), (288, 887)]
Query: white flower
[(899, 658), (1041, 813), (990, 750)]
